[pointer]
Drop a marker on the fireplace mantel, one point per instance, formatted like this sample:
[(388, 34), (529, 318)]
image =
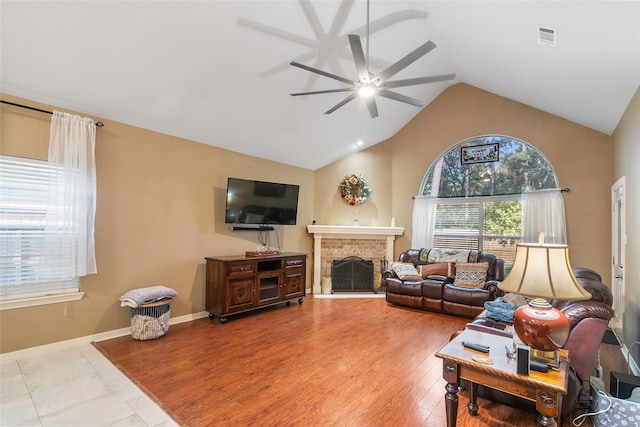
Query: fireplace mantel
[(348, 232)]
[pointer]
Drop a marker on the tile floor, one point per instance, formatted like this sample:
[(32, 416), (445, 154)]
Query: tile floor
[(77, 386)]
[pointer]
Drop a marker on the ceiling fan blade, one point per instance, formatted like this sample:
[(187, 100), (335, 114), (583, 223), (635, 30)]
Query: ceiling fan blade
[(316, 92), (286, 35), (406, 61), (373, 108), (341, 103), (420, 81), (402, 98), (340, 18), (358, 57), (323, 73), (312, 18)]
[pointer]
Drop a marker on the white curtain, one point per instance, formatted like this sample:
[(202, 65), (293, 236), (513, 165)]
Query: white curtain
[(424, 220), (72, 193), (543, 211)]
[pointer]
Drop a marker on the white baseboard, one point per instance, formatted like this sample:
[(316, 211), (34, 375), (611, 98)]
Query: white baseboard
[(102, 336)]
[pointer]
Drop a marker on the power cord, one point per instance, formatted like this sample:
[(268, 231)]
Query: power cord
[(577, 421), (599, 370), (277, 237), (264, 238)]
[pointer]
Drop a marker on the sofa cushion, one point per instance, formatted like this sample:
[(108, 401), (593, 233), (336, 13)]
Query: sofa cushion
[(406, 271), (471, 275), (439, 269)]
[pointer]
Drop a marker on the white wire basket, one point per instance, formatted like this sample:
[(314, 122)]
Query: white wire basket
[(150, 321)]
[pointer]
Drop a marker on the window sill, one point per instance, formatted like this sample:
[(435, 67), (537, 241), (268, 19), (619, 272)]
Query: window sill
[(43, 300)]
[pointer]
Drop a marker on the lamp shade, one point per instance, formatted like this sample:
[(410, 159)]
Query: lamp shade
[(543, 271)]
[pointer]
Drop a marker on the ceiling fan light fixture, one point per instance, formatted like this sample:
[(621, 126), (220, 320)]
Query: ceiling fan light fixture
[(367, 90)]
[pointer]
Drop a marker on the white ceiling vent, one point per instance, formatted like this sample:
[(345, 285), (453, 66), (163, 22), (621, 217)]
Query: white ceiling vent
[(547, 36)]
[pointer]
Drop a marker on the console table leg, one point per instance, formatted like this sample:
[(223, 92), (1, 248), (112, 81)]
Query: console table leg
[(473, 394)]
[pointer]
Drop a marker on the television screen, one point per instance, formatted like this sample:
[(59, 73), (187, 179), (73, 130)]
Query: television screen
[(259, 202)]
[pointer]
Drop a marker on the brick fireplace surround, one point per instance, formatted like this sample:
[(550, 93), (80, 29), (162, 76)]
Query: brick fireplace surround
[(334, 242)]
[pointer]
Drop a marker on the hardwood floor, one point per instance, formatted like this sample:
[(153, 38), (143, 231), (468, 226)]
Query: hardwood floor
[(327, 362)]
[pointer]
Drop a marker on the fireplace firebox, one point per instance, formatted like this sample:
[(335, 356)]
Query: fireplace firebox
[(352, 274)]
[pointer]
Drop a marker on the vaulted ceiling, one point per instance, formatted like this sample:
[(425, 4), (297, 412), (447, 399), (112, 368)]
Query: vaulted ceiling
[(218, 72)]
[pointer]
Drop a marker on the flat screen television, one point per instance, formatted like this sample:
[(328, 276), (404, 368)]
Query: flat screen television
[(260, 202)]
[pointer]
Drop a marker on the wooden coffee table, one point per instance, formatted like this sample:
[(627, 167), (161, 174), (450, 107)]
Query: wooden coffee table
[(546, 389)]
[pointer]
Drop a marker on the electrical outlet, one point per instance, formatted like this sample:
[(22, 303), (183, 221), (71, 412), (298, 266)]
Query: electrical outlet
[(599, 372)]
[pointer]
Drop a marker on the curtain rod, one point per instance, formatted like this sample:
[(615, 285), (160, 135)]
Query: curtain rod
[(98, 124), (563, 190)]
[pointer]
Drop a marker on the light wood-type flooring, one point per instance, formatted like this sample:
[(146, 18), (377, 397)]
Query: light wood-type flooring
[(326, 362)]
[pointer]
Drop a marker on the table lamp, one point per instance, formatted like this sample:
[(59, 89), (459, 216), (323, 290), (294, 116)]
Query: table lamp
[(542, 271)]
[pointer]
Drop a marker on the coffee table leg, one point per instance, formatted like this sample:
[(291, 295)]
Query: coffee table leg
[(451, 402), (473, 394), (450, 374), (548, 406)]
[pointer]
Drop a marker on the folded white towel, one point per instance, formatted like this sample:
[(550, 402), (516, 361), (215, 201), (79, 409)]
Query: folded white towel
[(140, 296)]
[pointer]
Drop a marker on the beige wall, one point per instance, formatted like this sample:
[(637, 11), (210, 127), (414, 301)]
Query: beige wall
[(160, 200), (626, 152), (161, 203), (582, 159)]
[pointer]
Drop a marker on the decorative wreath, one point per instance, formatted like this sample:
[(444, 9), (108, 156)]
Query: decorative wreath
[(354, 190)]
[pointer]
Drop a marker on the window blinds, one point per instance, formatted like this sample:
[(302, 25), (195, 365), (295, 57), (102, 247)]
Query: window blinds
[(26, 265)]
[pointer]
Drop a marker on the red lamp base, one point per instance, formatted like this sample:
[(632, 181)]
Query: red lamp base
[(540, 326)]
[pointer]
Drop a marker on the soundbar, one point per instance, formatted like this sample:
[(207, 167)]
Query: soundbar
[(254, 228)]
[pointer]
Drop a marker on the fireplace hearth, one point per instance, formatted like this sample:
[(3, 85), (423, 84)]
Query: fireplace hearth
[(352, 274)]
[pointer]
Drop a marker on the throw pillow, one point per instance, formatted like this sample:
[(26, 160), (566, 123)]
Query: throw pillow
[(471, 275), (446, 269), (406, 271)]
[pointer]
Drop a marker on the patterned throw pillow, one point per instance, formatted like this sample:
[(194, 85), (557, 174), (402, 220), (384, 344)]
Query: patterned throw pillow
[(446, 269), (406, 271), (472, 275)]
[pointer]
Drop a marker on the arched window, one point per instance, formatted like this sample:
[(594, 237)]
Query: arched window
[(478, 183)]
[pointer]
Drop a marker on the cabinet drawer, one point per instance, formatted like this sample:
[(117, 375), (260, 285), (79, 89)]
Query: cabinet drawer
[(294, 263), (239, 268)]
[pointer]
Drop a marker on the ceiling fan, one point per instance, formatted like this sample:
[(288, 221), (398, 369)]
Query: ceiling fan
[(369, 84)]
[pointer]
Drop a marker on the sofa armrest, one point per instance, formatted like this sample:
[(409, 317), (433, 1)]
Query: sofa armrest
[(389, 274), (492, 287)]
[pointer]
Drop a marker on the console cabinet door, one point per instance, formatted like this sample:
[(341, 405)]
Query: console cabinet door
[(240, 294), (294, 283), (268, 285), (240, 289)]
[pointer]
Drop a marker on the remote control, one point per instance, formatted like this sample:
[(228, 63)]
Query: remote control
[(474, 346), (539, 366)]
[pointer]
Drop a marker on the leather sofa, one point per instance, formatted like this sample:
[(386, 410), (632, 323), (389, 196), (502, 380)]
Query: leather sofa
[(438, 293), (588, 321)]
